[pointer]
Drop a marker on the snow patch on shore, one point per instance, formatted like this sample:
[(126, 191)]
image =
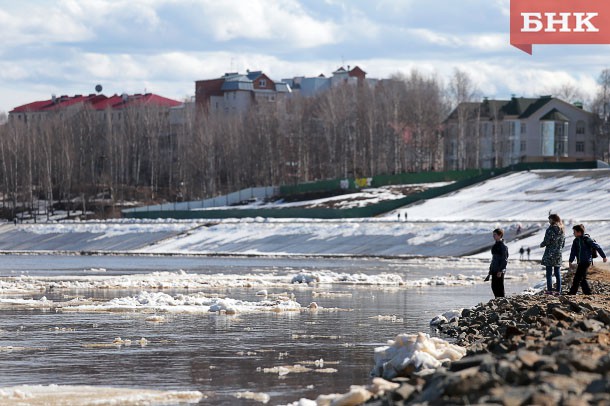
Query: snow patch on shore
[(418, 351)]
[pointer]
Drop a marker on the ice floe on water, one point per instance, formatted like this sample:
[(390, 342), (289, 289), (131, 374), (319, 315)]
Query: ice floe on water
[(358, 278), (153, 302), (258, 397), (11, 348), (34, 395), (195, 303), (185, 280)]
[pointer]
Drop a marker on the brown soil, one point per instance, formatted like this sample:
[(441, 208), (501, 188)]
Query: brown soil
[(600, 272)]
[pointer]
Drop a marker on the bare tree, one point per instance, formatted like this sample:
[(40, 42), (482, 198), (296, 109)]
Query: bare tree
[(462, 91)]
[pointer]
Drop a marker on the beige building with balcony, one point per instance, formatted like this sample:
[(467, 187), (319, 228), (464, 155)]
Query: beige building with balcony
[(498, 133)]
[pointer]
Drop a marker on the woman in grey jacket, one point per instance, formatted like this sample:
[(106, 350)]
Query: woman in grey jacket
[(554, 241)]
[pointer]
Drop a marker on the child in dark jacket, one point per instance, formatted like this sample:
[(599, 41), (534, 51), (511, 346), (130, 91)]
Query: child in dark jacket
[(499, 261), (582, 251)]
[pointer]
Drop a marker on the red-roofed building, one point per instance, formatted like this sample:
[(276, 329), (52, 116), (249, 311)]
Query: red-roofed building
[(38, 110)]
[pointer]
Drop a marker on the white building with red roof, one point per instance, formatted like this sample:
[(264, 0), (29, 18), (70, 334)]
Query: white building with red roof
[(67, 105)]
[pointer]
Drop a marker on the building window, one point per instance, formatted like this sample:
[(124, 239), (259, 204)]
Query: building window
[(559, 129), (580, 146), (262, 83), (523, 128), (559, 148), (580, 127), (523, 145)]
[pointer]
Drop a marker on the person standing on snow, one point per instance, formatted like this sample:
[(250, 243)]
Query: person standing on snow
[(554, 241), (499, 261), (582, 251)]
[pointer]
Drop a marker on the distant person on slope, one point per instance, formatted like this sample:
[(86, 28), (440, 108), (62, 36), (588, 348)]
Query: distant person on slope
[(554, 241), (499, 261), (521, 252), (582, 251)]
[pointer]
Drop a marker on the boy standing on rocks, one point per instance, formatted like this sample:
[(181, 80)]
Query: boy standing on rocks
[(582, 251), (499, 261)]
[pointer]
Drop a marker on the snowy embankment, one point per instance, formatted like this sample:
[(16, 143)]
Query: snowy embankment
[(458, 224), (363, 237)]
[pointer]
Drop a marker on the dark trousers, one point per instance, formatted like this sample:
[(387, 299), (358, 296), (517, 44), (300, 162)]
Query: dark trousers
[(497, 284), (580, 279)]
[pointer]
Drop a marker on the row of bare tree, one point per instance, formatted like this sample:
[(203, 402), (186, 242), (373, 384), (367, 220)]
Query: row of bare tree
[(76, 156)]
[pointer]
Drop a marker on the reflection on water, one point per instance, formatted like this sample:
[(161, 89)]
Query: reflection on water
[(215, 354)]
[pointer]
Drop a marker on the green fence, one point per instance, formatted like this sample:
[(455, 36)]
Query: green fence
[(377, 181), (372, 210)]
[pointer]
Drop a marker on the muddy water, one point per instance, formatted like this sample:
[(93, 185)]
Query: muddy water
[(216, 354)]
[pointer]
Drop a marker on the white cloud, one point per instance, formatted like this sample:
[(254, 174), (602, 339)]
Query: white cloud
[(66, 46), (282, 20), (482, 41), (31, 25)]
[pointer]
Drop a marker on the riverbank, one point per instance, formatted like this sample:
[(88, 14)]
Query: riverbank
[(526, 349)]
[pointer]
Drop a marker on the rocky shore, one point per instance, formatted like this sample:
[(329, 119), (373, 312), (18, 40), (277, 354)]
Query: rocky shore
[(522, 350)]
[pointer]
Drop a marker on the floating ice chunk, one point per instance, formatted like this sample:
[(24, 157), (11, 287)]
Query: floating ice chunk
[(262, 292), (416, 350), (358, 278), (306, 278), (259, 397), (89, 395), (96, 270), (155, 319), (224, 306)]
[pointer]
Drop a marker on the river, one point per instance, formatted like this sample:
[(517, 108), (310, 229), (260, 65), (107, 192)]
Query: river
[(221, 355)]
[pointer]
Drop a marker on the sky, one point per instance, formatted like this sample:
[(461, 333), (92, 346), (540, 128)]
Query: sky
[(163, 46)]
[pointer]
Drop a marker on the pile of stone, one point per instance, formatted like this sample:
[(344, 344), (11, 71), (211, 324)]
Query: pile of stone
[(522, 350)]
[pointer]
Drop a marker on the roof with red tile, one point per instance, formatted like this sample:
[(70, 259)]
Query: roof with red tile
[(97, 102)]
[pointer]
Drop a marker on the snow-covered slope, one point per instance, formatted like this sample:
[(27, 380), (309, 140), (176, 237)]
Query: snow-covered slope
[(458, 224), (576, 195)]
